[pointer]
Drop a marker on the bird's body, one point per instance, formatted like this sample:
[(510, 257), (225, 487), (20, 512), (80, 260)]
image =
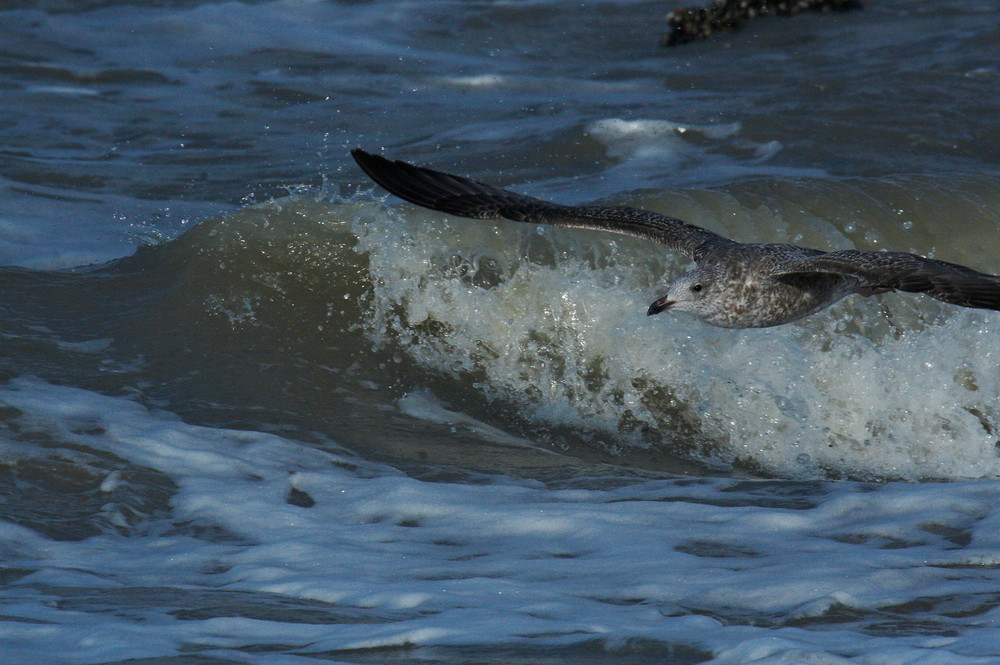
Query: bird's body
[(735, 285), (749, 296)]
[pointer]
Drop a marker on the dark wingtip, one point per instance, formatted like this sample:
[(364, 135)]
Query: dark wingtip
[(449, 193), (360, 154), (385, 173), (365, 159)]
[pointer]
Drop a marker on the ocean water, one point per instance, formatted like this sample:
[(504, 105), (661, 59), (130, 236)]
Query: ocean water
[(254, 410)]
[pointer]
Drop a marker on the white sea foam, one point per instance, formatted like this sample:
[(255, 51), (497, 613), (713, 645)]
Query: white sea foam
[(475, 81), (653, 152), (421, 404), (62, 91), (661, 141), (442, 564), (631, 135), (88, 346)]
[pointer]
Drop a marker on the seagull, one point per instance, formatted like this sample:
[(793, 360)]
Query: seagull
[(735, 285)]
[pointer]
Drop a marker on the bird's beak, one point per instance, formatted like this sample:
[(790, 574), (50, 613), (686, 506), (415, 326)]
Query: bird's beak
[(661, 305)]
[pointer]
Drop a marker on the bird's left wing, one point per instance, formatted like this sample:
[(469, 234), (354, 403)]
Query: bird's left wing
[(948, 282), (468, 198)]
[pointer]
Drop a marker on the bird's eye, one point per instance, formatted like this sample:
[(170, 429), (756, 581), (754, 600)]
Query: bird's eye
[(696, 287)]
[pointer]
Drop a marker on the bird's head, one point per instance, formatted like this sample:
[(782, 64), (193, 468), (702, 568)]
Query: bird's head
[(691, 292)]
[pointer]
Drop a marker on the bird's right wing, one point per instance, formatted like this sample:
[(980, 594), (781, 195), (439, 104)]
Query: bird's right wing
[(948, 282), (467, 198)]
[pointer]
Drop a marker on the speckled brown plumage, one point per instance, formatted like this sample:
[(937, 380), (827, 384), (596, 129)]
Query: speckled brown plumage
[(735, 285)]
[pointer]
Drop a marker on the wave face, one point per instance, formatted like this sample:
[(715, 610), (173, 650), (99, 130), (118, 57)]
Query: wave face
[(550, 324), (541, 333)]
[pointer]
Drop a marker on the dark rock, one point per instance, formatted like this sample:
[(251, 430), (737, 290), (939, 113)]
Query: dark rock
[(693, 23)]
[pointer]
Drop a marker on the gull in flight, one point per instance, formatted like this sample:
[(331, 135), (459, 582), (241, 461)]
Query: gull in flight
[(735, 285)]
